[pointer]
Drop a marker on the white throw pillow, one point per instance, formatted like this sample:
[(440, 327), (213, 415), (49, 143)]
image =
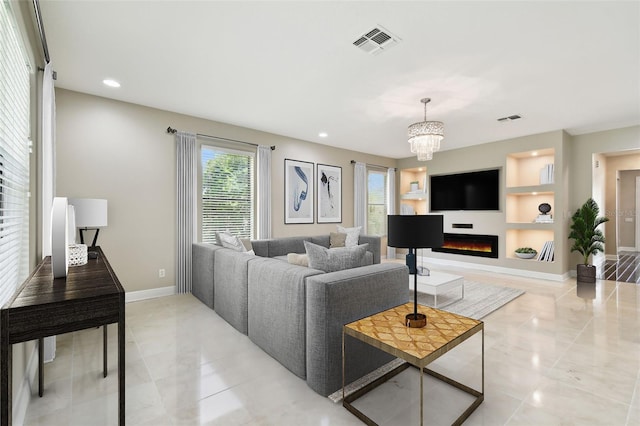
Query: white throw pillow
[(298, 259), (353, 234), (335, 259), (230, 241)]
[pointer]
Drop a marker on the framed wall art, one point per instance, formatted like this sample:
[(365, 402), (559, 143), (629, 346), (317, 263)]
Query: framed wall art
[(329, 187), (298, 191)]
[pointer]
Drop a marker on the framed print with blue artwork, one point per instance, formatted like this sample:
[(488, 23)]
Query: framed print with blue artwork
[(329, 187), (298, 191)]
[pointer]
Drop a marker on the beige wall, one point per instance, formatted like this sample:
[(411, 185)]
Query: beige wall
[(622, 171), (494, 155), (583, 172), (121, 152)]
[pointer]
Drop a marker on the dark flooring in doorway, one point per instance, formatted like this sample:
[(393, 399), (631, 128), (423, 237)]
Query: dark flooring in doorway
[(626, 268)]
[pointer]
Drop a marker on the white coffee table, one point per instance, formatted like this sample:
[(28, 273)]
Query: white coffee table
[(438, 283)]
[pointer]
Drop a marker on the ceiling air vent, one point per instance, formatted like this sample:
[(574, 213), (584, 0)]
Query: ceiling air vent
[(376, 40), (510, 118)]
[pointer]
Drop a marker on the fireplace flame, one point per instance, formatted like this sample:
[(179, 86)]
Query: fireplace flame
[(467, 246)]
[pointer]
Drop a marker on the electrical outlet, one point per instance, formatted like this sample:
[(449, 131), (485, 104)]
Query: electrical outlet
[(161, 273)]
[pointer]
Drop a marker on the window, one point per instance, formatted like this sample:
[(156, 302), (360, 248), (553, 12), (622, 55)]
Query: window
[(227, 192), (376, 203), (14, 156)]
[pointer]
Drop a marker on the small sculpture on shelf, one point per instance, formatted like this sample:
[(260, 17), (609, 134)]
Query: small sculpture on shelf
[(545, 217)]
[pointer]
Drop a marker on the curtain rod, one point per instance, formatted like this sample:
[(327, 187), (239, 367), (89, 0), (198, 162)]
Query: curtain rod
[(375, 165), (43, 38), (174, 131)]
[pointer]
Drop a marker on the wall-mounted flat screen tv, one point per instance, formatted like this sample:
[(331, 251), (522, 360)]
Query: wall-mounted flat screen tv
[(466, 191)]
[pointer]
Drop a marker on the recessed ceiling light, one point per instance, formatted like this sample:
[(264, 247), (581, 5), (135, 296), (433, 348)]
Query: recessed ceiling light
[(323, 134), (111, 83), (534, 154)]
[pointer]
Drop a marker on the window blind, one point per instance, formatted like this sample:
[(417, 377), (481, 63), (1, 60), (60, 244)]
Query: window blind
[(227, 192), (14, 156)]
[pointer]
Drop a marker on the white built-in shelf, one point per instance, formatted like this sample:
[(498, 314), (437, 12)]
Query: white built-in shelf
[(414, 196)]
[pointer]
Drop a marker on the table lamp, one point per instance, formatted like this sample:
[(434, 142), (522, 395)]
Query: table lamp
[(414, 232), (90, 214)]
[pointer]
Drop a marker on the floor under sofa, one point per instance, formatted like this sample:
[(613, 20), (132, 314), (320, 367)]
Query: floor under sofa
[(550, 358)]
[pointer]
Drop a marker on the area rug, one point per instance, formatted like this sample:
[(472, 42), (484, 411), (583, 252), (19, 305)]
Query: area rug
[(480, 300)]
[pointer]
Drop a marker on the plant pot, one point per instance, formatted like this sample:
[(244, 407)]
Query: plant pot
[(586, 273)]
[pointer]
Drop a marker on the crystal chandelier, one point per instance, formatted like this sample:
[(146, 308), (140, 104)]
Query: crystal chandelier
[(425, 136)]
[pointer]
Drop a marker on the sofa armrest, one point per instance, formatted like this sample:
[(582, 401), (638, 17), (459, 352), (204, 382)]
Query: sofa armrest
[(341, 297), (276, 314), (202, 264), (374, 245)]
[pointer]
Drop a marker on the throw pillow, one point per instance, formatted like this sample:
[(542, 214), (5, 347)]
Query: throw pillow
[(298, 259), (352, 235), (246, 242), (230, 241), (335, 259), (337, 239)]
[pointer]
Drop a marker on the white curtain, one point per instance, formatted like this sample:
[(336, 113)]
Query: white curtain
[(391, 204), (47, 157), (360, 195), (47, 160), (186, 208), (264, 192)]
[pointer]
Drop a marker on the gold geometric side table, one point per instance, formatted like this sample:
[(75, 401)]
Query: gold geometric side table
[(417, 346)]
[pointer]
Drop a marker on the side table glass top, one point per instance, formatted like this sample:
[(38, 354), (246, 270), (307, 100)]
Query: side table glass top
[(419, 346)]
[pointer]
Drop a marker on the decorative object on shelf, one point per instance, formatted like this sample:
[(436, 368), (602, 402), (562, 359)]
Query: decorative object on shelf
[(545, 217), (546, 174), (329, 184), (548, 252), (59, 238), (587, 239), (90, 214), (414, 232), (77, 254), (425, 136), (525, 253), (414, 187), (298, 191)]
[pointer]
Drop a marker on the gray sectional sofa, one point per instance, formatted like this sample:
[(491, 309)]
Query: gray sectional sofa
[(296, 313)]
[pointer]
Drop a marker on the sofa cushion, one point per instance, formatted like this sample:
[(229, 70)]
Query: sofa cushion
[(335, 259), (337, 239), (352, 235)]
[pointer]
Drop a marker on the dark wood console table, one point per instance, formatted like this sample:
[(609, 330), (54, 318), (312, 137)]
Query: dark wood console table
[(90, 296)]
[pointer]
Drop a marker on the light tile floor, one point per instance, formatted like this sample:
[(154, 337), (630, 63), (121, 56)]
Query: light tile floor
[(551, 358)]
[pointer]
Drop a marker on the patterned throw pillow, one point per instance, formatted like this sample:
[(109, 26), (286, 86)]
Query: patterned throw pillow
[(337, 239), (335, 259), (352, 235)]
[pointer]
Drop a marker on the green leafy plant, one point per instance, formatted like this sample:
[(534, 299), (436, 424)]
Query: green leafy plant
[(526, 250), (587, 239)]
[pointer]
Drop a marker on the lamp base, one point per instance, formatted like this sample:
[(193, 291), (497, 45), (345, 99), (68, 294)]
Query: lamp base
[(416, 320)]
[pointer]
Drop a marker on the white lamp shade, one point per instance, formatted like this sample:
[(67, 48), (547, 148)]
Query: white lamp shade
[(71, 224), (90, 212)]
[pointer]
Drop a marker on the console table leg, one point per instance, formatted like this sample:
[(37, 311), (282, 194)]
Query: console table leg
[(421, 395), (40, 367), (6, 355), (121, 364), (104, 351)]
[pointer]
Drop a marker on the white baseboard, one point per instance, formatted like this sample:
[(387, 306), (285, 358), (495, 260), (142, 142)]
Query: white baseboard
[(134, 296), (611, 257), (626, 249), (498, 269), (22, 398)]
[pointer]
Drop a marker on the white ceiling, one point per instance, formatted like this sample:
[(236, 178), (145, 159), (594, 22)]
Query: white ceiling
[(290, 68)]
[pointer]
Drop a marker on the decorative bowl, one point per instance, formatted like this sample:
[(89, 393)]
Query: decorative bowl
[(526, 255)]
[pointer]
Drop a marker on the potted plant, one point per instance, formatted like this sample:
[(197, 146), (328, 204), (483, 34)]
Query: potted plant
[(587, 239), (526, 252)]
